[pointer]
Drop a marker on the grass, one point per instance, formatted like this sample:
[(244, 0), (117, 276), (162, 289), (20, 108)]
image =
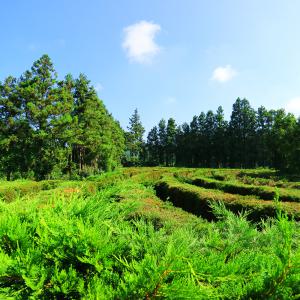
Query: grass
[(112, 237)]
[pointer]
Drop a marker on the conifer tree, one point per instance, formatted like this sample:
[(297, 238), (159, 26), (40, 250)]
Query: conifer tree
[(242, 134), (134, 139), (153, 147), (162, 134), (54, 127), (171, 142), (220, 144)]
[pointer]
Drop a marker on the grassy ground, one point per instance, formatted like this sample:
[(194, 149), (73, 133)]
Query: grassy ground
[(112, 237)]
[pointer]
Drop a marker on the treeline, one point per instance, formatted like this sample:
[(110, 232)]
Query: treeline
[(51, 127), (262, 138)]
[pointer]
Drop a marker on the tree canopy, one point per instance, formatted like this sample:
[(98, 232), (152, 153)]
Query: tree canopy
[(51, 127)]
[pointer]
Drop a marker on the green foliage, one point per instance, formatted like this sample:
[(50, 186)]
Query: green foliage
[(264, 192), (110, 237), (134, 140), (250, 139), (55, 128), (197, 200), (108, 245)]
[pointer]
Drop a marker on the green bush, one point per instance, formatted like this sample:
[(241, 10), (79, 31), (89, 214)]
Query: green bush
[(197, 200), (88, 248), (264, 192)]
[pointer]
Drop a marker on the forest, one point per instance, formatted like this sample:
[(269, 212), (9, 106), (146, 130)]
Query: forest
[(51, 128), (208, 209)]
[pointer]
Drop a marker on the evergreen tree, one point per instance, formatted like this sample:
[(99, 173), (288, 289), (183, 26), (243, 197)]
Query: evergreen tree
[(209, 133), (99, 138), (220, 144), (183, 146), (170, 142), (201, 148), (193, 140), (14, 131), (242, 134), (42, 107), (162, 134), (51, 127), (153, 147), (134, 139), (263, 131), (283, 144)]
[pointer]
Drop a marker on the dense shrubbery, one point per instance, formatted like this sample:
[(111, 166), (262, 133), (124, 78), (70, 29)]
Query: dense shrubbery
[(197, 200), (264, 192), (111, 237), (123, 243)]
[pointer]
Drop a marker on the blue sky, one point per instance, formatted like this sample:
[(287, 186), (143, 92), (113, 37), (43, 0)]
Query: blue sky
[(167, 58)]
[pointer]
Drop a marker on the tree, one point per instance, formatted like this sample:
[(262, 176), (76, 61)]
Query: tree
[(162, 135), (170, 142), (99, 139), (209, 132), (14, 131), (220, 144), (283, 143), (51, 127), (193, 141), (42, 106), (134, 139), (153, 147), (183, 149), (242, 134)]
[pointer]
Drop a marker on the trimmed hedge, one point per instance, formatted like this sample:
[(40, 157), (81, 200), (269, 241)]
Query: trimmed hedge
[(197, 201), (264, 192), (9, 191)]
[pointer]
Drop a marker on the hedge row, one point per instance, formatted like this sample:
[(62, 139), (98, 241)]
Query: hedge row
[(263, 192), (197, 201), (9, 191)]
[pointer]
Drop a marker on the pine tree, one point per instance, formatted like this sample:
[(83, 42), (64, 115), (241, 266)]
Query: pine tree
[(242, 134), (134, 139), (162, 134), (42, 106), (220, 144), (51, 127), (99, 139), (153, 147), (14, 131), (171, 142)]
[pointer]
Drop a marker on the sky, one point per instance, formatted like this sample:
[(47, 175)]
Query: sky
[(167, 58)]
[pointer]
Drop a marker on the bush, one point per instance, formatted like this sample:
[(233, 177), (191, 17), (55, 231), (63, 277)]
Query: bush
[(197, 200)]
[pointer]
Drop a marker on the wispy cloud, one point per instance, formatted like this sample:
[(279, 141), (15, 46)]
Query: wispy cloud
[(98, 87), (139, 41), (171, 100), (224, 74), (293, 106)]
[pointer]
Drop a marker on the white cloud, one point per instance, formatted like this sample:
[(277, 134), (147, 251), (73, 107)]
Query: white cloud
[(98, 87), (223, 74), (139, 41), (171, 100), (293, 106)]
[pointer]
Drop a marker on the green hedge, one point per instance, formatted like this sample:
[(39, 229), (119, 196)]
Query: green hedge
[(9, 191), (264, 192), (197, 200)]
